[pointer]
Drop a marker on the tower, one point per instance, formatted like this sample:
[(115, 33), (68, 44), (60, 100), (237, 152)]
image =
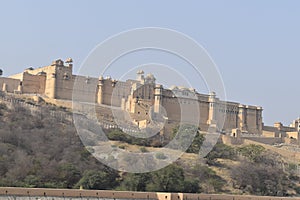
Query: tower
[(51, 83), (242, 118), (140, 76), (212, 108), (259, 122), (100, 90), (157, 98)]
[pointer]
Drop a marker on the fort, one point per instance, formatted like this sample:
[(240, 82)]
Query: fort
[(144, 99)]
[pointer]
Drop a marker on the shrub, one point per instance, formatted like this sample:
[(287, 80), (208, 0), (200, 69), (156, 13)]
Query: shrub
[(252, 151), (3, 106), (160, 156), (191, 186), (143, 150), (220, 151)]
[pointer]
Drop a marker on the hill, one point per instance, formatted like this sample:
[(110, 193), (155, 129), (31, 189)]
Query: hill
[(39, 149)]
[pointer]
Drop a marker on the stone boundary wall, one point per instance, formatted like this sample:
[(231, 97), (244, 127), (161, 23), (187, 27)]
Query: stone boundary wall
[(62, 116), (265, 140), (229, 140), (35, 110), (39, 193)]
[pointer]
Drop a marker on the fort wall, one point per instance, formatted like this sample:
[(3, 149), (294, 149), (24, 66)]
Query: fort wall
[(137, 97), (9, 84), (265, 140), (33, 84), (17, 76)]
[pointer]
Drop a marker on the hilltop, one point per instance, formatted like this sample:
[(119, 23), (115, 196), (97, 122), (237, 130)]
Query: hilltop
[(40, 149)]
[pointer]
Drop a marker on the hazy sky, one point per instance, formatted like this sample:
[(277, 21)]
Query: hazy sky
[(255, 44)]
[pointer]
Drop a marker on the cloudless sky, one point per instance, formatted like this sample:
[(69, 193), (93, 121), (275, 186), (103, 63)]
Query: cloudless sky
[(255, 44)]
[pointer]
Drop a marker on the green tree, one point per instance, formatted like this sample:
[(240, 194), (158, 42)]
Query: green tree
[(135, 182), (69, 175), (168, 179), (191, 186), (196, 144), (94, 179), (188, 137)]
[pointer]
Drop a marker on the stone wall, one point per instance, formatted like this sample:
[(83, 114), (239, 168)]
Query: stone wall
[(270, 134), (229, 140), (231, 113), (9, 85), (68, 194), (112, 91), (265, 140), (34, 84)]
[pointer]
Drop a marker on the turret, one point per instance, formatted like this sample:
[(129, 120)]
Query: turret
[(58, 63), (212, 108), (259, 120), (69, 62), (100, 90), (140, 76), (157, 98), (242, 117)]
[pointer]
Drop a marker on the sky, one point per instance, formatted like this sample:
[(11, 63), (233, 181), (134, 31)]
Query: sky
[(255, 44)]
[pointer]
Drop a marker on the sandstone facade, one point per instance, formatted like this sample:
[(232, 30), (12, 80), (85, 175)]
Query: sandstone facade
[(142, 98)]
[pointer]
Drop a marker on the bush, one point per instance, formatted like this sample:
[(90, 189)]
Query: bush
[(191, 186), (260, 179), (119, 135), (183, 136), (143, 150), (160, 156), (220, 151), (252, 151), (3, 106)]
